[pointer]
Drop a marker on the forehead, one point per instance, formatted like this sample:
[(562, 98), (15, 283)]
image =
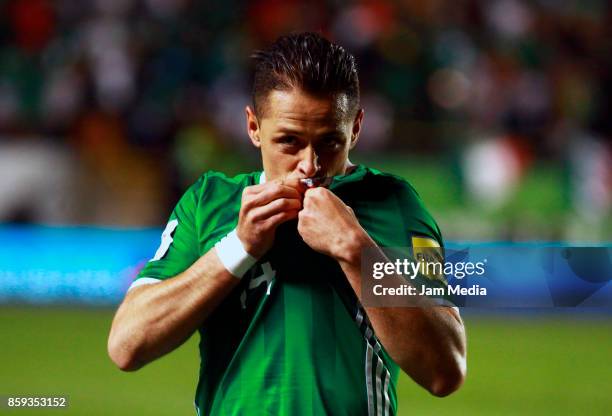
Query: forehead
[(299, 109)]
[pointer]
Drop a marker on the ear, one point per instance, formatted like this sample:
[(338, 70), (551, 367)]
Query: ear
[(252, 126), (356, 127)]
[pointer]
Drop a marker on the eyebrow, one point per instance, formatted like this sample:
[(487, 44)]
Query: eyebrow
[(288, 130), (295, 132)]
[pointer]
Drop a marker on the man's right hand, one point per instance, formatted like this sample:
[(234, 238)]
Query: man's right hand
[(264, 207)]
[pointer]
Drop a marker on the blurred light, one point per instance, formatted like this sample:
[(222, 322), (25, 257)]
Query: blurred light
[(491, 170), (489, 93), (401, 47), (196, 148), (37, 181), (358, 26), (62, 97), (34, 23), (532, 95), (190, 103), (9, 103), (272, 18), (592, 176), (165, 8), (509, 18), (229, 95), (114, 7), (448, 88), (106, 46), (454, 48), (377, 122), (150, 123), (114, 80), (575, 91)]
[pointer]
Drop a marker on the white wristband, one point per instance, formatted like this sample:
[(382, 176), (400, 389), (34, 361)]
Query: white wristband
[(233, 256)]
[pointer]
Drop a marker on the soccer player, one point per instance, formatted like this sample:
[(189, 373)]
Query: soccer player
[(266, 265)]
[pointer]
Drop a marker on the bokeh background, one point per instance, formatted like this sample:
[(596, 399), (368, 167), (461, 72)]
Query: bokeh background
[(497, 111)]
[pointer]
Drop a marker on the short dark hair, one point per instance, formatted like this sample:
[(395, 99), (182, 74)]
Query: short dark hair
[(307, 61)]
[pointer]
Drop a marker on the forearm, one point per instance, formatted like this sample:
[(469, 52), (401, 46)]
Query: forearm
[(155, 319), (427, 342)]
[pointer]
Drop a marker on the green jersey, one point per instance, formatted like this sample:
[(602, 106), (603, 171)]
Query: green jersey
[(292, 338)]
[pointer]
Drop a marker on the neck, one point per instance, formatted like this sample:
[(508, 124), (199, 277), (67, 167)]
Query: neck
[(349, 167)]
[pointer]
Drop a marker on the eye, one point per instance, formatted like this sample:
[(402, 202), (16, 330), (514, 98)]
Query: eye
[(331, 142), (288, 140)]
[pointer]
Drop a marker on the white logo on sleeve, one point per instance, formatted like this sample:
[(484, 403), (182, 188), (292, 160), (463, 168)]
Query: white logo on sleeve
[(166, 240)]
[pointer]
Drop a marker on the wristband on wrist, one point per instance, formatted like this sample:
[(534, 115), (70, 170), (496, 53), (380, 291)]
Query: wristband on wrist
[(233, 256)]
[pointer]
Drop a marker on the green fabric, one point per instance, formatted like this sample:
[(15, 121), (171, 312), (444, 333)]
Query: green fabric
[(292, 338)]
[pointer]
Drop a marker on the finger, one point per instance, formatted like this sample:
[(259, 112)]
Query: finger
[(292, 182), (258, 188), (281, 217), (274, 207), (318, 190), (295, 183), (310, 197), (273, 191), (255, 189)]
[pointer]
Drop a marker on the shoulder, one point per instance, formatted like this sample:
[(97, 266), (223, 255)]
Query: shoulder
[(214, 188), (214, 183), (214, 178), (393, 186), (213, 199), (406, 198), (389, 180)]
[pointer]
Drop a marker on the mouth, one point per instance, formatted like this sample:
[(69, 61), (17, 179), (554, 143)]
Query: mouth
[(324, 181)]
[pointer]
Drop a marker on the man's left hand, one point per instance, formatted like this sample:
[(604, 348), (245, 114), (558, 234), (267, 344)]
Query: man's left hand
[(329, 226)]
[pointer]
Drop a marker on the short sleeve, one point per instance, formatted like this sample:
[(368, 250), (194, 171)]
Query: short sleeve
[(421, 226), (179, 247), (409, 225), (394, 215)]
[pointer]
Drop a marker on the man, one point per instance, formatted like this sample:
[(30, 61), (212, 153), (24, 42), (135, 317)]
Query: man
[(267, 268)]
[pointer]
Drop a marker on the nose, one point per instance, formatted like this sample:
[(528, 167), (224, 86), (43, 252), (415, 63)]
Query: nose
[(309, 162)]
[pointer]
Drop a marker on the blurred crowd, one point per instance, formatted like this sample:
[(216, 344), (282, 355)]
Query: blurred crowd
[(110, 108)]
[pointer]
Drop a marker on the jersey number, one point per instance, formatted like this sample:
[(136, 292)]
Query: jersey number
[(267, 276)]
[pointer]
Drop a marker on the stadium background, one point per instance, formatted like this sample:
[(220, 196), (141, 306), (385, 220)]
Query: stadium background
[(497, 111)]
